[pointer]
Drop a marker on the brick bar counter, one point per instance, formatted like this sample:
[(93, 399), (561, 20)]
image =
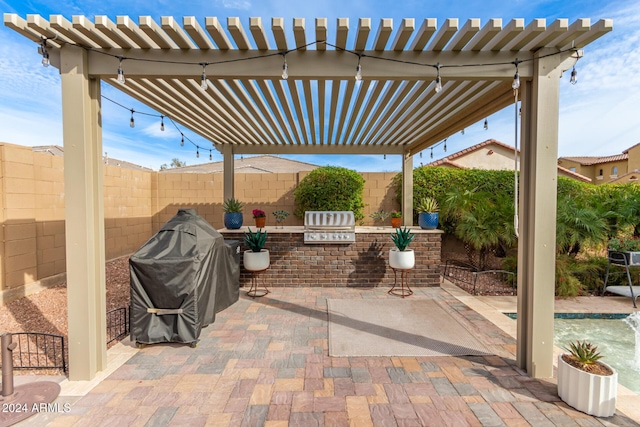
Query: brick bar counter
[(364, 263)]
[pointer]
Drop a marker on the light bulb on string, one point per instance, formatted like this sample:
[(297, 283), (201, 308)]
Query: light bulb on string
[(385, 157), (438, 79), (462, 131), (203, 79), (486, 124), (285, 68), (210, 156), (132, 122), (574, 76), (197, 152), (432, 153), (358, 71), (516, 77), (45, 53), (445, 145), (120, 78), (421, 154), (182, 140), (162, 123)]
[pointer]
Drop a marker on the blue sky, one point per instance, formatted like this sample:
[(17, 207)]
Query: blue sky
[(599, 116)]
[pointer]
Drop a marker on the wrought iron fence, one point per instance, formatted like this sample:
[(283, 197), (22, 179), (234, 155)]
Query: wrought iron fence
[(39, 351), (475, 282), (117, 324)]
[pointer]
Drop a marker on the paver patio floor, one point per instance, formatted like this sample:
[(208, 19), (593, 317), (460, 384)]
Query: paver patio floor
[(265, 362)]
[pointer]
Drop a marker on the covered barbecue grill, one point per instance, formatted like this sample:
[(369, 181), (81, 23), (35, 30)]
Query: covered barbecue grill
[(180, 279)]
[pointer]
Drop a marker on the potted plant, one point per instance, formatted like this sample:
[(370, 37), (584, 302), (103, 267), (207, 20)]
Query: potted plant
[(256, 258), (585, 383), (280, 215), (629, 248), (396, 219), (260, 217), (401, 257), (232, 213), (428, 213), (379, 216)]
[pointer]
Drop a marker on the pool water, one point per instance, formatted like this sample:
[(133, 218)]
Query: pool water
[(615, 339)]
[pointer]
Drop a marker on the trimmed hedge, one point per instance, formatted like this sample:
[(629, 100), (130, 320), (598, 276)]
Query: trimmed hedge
[(331, 188)]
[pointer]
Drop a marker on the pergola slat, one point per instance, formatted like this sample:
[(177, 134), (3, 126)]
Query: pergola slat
[(217, 33), (268, 94), (384, 32), (513, 28), (19, 25), (321, 33), (466, 33), (380, 107), (404, 33), (176, 33), (396, 102), (426, 31), (253, 110), (321, 109), (579, 26), (40, 26), (444, 34), (297, 105), (259, 98), (277, 27), (530, 32), (197, 33), (86, 27), (238, 34), (308, 96), (366, 113), (258, 33), (364, 28), (299, 36), (109, 29), (490, 30), (131, 30), (342, 30), (344, 109), (602, 27), (156, 33), (286, 107), (333, 107), (553, 31), (357, 109)]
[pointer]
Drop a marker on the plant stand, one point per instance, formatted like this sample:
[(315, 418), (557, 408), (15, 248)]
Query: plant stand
[(404, 290), (255, 291)]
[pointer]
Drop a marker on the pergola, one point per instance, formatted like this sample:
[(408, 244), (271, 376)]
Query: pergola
[(320, 109)]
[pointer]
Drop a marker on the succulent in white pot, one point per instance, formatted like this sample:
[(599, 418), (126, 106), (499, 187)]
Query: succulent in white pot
[(256, 258), (401, 257), (586, 383)]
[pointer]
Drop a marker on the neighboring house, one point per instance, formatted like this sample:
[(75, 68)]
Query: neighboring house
[(253, 164), (619, 168), (493, 155), (58, 151)]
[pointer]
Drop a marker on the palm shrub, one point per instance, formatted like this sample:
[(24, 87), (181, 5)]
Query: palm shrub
[(577, 224), (482, 221), (331, 188), (401, 238)]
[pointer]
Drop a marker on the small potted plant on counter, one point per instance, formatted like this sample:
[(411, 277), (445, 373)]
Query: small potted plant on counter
[(280, 215), (260, 217), (585, 383), (428, 213), (232, 213), (396, 219), (401, 257), (256, 258), (379, 217)]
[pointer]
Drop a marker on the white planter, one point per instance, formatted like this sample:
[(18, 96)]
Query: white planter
[(586, 392), (402, 259), (256, 261)]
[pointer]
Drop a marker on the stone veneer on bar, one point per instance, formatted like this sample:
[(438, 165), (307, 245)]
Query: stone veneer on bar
[(364, 263)]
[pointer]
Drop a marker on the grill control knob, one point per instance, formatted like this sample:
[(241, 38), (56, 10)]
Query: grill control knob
[(323, 236)]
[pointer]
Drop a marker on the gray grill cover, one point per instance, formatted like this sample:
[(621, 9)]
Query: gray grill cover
[(180, 279)]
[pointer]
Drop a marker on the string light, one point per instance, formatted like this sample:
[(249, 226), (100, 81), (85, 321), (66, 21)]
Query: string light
[(421, 154), (445, 145), (359, 70), (574, 76), (438, 79), (198, 152), (132, 122), (432, 152), (285, 68), (182, 141), (162, 123), (462, 131), (210, 156), (385, 157), (486, 124), (203, 80), (120, 70), (516, 78), (44, 52)]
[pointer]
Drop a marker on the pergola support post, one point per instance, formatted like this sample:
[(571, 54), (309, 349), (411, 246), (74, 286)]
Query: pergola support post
[(407, 190), (228, 172), (84, 214), (538, 200)]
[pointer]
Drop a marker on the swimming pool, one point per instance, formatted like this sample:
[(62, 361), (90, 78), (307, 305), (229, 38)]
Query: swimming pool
[(610, 333)]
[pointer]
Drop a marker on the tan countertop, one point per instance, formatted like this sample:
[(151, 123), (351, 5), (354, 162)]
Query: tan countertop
[(300, 229)]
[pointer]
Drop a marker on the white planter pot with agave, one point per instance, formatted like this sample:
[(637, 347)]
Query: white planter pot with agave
[(401, 257), (585, 383), (256, 258)]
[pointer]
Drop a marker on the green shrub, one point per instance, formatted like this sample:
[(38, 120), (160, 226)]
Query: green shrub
[(331, 188)]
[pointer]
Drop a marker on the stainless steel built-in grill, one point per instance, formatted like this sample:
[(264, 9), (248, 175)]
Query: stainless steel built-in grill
[(329, 227)]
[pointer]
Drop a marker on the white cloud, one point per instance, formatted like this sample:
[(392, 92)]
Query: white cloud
[(234, 4)]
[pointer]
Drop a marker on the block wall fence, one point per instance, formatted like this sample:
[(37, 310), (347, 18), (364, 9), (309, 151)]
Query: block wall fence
[(136, 205)]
